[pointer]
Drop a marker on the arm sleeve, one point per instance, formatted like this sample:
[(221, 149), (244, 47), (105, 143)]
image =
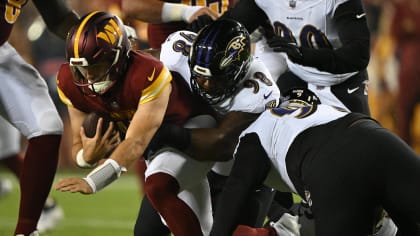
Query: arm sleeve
[(57, 15), (249, 170), (354, 54), (248, 13)]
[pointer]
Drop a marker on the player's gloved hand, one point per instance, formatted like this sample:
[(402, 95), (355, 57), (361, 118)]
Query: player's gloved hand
[(199, 23), (169, 135), (281, 44)]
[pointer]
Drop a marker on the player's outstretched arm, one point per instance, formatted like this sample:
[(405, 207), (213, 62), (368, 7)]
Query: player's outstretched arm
[(156, 11), (58, 16), (205, 144)]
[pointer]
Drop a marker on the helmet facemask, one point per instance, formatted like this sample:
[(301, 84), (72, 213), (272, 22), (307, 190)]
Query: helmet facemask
[(219, 60), (215, 89)]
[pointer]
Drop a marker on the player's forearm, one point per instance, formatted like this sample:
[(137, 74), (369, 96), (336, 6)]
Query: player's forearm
[(148, 11), (57, 15), (202, 144), (128, 151), (212, 144), (218, 144), (248, 13), (205, 144), (158, 11), (124, 155)]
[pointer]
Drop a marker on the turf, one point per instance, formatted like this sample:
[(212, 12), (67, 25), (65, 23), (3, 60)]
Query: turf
[(111, 212)]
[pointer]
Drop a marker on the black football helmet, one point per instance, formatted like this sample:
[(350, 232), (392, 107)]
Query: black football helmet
[(220, 56), (97, 50), (300, 97)]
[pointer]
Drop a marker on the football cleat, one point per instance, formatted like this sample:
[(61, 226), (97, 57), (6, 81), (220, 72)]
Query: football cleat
[(287, 225), (51, 214)]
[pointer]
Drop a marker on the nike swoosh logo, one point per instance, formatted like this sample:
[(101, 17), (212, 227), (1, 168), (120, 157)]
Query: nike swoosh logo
[(350, 91), (150, 78), (268, 95), (361, 15)]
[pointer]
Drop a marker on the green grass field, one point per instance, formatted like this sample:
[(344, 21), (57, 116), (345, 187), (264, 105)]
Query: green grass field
[(111, 212)]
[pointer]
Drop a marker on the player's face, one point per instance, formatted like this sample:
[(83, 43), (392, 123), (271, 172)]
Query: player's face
[(95, 77), (94, 73), (208, 84)]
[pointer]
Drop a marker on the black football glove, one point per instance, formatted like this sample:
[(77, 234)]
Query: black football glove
[(280, 44), (168, 135), (199, 23)]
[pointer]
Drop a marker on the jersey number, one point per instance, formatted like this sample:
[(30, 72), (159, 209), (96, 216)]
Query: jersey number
[(12, 10), (182, 46), (309, 36), (253, 83)]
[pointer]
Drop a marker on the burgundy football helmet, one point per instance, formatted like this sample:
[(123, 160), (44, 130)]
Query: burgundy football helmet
[(97, 50)]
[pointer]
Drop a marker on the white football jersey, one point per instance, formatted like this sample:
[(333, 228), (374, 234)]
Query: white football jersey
[(175, 51), (277, 128), (257, 90), (310, 23)]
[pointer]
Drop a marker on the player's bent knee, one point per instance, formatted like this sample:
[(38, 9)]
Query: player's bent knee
[(159, 186)]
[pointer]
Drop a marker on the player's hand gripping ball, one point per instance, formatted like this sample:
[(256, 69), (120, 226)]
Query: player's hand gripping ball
[(91, 121)]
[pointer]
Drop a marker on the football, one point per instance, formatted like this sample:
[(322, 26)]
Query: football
[(91, 121)]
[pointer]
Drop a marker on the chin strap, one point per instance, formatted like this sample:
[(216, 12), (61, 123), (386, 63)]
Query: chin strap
[(104, 175)]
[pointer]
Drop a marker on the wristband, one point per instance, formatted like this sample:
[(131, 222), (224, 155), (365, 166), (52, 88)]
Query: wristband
[(177, 12), (189, 11), (104, 175), (81, 161)]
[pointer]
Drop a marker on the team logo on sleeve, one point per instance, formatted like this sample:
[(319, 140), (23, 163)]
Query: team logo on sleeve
[(233, 51)]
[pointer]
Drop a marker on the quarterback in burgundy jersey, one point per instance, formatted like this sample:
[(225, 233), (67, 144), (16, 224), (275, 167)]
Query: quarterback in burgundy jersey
[(103, 75)]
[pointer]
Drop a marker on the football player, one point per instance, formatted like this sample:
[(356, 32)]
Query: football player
[(26, 104), (325, 45), (104, 76), (218, 65), (330, 157)]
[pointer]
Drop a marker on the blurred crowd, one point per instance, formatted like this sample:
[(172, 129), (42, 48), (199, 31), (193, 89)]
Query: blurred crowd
[(394, 69)]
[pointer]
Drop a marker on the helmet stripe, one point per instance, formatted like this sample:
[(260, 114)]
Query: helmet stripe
[(79, 32), (206, 45), (208, 56)]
